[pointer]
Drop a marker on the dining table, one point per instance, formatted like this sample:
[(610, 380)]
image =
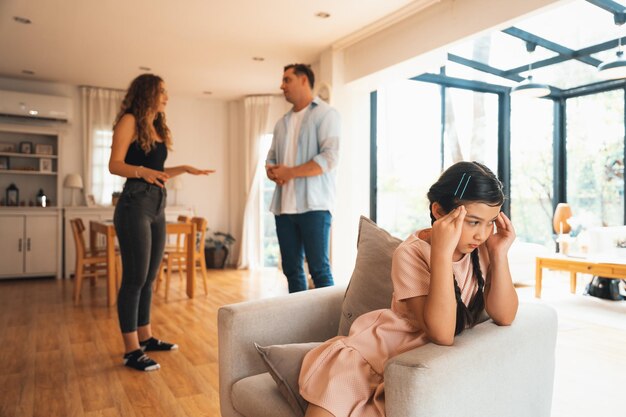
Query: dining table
[(107, 229)]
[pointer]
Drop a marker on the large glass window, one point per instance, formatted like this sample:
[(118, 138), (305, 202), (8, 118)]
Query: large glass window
[(409, 147), (471, 129), (409, 154), (595, 156), (532, 169)]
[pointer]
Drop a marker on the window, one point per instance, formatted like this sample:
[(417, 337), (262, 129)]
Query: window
[(103, 183), (471, 128), (595, 156), (410, 153), (532, 169), (270, 252)]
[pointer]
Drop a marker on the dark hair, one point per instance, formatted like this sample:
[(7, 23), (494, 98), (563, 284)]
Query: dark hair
[(140, 100), (466, 182), (302, 69)]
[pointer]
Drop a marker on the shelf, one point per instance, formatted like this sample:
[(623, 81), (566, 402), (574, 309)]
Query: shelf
[(24, 172), (27, 155)]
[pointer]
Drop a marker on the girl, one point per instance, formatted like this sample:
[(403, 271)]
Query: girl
[(443, 279), (141, 140)]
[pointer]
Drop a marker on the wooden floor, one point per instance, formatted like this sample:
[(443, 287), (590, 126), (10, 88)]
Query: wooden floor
[(60, 360)]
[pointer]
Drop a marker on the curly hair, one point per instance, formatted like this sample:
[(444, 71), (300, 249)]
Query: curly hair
[(141, 100)]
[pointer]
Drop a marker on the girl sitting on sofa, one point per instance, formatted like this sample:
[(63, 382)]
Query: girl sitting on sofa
[(443, 279)]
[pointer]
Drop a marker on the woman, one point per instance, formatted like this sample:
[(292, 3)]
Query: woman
[(141, 140)]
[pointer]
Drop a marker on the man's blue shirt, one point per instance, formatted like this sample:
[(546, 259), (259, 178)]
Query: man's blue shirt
[(318, 140)]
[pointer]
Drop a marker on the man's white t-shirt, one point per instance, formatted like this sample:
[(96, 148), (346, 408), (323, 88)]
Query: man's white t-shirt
[(288, 203)]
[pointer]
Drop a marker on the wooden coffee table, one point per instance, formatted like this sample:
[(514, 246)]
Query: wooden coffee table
[(574, 266)]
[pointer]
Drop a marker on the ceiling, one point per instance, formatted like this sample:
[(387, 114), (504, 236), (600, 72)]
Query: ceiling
[(195, 45), (570, 40)]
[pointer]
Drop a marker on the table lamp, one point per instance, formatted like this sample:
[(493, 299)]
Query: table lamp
[(74, 182), (562, 212)]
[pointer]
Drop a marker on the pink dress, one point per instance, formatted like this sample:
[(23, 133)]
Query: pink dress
[(344, 375)]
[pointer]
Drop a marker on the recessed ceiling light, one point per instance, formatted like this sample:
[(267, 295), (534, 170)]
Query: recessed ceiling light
[(258, 58), (23, 20), (322, 15), (145, 68), (208, 93), (28, 72)]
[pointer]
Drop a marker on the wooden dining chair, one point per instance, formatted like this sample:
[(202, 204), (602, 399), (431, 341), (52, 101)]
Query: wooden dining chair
[(198, 260), (173, 258), (90, 262)]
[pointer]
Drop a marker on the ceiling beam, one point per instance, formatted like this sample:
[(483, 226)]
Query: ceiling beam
[(462, 83), (593, 49), (608, 5), (484, 67), (552, 46)]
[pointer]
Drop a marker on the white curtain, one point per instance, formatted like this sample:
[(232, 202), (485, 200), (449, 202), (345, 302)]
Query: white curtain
[(256, 114), (99, 106)]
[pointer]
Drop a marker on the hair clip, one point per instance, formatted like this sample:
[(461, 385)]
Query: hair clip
[(464, 188), (459, 186), (463, 192)]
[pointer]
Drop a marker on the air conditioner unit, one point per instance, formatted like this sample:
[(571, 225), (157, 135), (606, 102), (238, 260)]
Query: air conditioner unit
[(14, 104)]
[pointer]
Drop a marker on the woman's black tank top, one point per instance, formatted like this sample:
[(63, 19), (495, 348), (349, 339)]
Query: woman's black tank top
[(155, 159)]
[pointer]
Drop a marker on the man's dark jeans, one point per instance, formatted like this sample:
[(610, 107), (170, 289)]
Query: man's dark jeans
[(307, 233)]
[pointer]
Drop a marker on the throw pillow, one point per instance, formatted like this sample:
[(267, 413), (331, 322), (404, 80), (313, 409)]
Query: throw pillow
[(370, 286), (283, 363)]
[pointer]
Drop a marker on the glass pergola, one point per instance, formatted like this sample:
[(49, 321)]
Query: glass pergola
[(565, 147)]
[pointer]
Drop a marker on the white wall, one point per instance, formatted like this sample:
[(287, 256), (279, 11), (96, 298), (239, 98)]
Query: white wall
[(199, 131)]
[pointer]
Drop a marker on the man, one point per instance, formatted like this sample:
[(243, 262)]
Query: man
[(302, 162)]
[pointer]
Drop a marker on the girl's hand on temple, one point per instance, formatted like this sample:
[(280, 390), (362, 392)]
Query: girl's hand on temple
[(447, 232), (500, 242), (195, 171)]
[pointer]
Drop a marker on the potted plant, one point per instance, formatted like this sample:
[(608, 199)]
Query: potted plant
[(216, 249)]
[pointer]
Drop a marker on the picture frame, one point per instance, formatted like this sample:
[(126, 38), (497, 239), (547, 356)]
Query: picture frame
[(4, 162), (7, 147), (45, 165), (26, 147), (43, 149), (91, 200)]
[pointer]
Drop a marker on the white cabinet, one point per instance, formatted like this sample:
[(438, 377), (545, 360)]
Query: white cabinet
[(12, 245), (88, 214), (30, 237), (29, 243), (30, 159)]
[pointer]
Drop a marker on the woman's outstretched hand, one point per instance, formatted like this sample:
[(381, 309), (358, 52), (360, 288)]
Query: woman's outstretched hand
[(500, 242), (195, 171), (447, 232)]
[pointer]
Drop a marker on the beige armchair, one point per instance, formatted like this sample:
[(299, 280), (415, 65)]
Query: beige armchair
[(490, 371)]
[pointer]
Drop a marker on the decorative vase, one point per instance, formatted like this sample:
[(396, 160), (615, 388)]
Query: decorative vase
[(562, 212)]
